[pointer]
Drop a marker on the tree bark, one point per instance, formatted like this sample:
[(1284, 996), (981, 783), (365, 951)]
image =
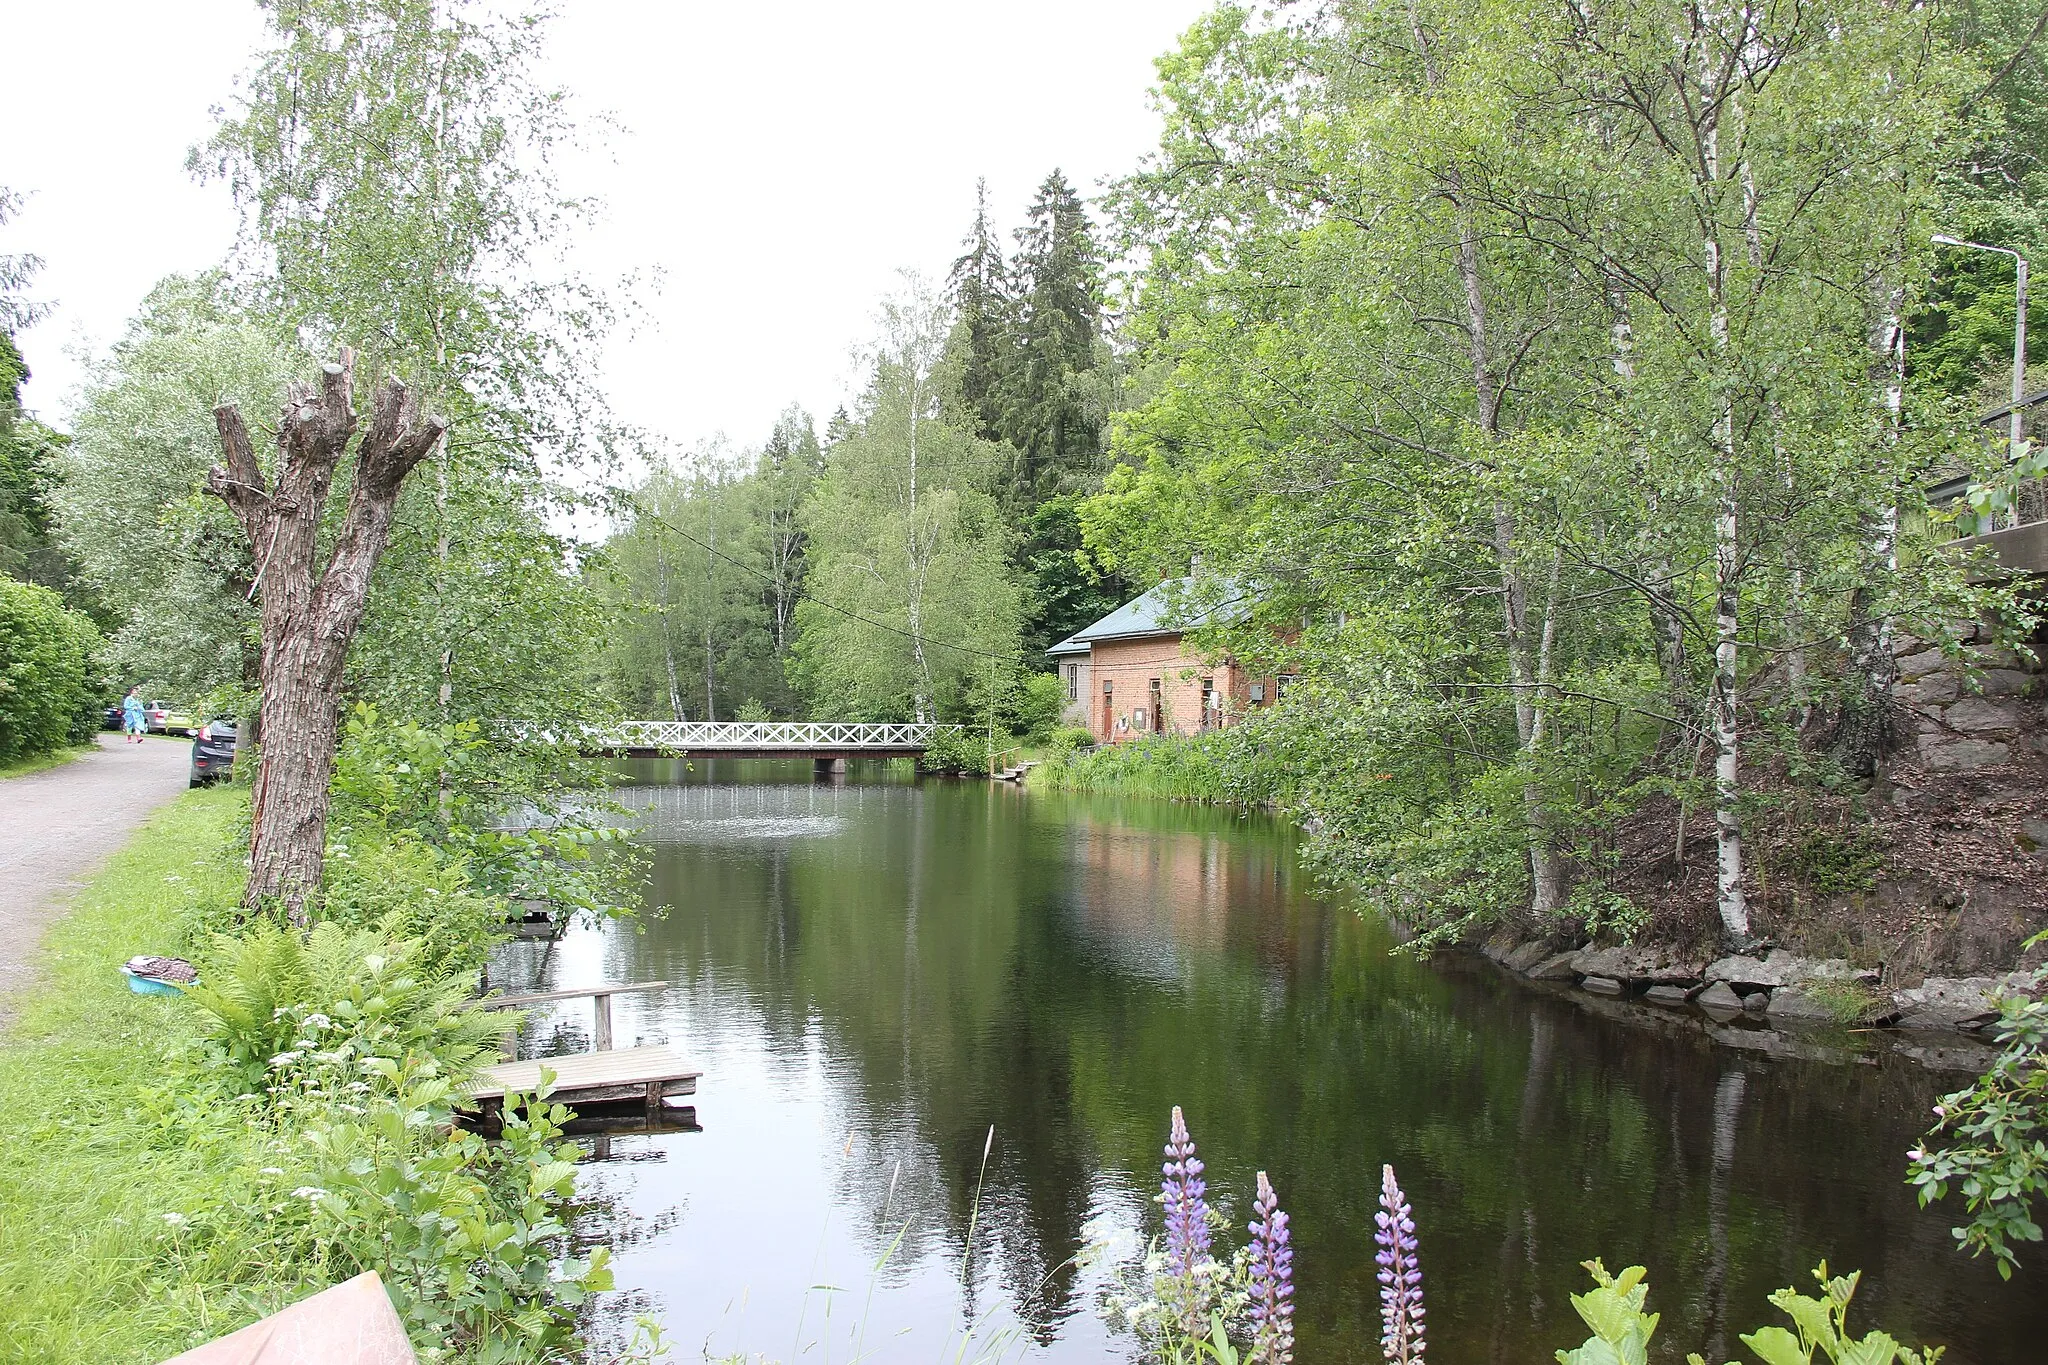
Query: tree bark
[(310, 611), (1864, 730)]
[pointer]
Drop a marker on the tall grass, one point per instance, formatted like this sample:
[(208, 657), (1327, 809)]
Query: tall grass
[(1217, 766)]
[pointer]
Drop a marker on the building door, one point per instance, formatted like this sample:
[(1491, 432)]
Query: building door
[(1158, 716), (1108, 709)]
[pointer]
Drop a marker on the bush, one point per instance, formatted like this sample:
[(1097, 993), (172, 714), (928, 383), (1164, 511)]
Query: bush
[(50, 691), (1040, 701)]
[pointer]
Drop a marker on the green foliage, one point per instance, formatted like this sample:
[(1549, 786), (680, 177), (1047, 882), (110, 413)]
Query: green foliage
[(1836, 862), (1041, 699), (1431, 366), (51, 690), (1230, 765), (468, 1236), (152, 1206), (908, 543), (1606, 915), (341, 997), (1994, 1138), (1614, 1310), (168, 561), (430, 801)]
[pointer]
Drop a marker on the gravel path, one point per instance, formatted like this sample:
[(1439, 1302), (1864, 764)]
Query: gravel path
[(58, 828)]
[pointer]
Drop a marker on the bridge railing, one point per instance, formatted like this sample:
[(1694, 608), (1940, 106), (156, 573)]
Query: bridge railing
[(796, 736)]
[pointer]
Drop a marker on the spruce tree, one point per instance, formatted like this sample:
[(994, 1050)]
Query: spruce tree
[(1053, 401), (983, 320)]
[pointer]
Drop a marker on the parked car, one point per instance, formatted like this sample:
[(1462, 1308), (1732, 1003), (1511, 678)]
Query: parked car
[(213, 752)]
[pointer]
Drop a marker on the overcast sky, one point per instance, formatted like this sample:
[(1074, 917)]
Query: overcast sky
[(778, 164)]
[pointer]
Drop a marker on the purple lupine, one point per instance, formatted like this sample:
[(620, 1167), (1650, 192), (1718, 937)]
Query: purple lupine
[(1187, 1212), (1400, 1275), (1272, 1280)]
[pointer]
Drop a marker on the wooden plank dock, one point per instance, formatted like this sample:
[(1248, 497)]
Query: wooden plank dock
[(603, 1076)]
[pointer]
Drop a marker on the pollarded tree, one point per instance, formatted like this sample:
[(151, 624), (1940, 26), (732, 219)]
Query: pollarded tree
[(394, 163), (311, 608)]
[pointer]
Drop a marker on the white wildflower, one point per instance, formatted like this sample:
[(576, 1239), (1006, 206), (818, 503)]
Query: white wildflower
[(175, 1219), (308, 1192), (273, 1170)]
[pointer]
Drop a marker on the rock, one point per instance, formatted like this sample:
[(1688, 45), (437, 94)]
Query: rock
[(1926, 661), (1952, 1002), (1602, 985), (1757, 1002), (1718, 999), (1975, 715), (1556, 968), (1635, 964), (1943, 755), (1903, 644), (1671, 996), (1525, 956), (2007, 682), (1935, 689), (1779, 968), (2036, 832), (1793, 1003)]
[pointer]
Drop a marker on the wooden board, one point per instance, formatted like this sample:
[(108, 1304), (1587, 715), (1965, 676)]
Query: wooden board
[(506, 1002), (622, 1073)]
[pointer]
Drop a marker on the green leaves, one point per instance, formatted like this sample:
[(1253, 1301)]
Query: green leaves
[(1622, 1330), (1993, 1138), (1614, 1312)]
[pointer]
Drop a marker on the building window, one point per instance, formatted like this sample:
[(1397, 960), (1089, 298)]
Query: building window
[(1158, 717), (1073, 682), (1281, 684), (1108, 708), (1208, 721)]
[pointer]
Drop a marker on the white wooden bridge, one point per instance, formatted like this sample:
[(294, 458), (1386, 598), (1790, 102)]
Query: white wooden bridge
[(821, 740)]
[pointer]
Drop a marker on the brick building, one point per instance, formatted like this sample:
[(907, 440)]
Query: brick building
[(1133, 674)]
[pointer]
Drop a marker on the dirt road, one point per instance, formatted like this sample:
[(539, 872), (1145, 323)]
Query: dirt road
[(58, 828)]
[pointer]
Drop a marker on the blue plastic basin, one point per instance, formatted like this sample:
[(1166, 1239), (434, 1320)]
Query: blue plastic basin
[(144, 985)]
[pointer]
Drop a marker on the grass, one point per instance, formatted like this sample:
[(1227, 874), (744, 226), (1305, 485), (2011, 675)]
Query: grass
[(1174, 767), (90, 1269), (42, 763)]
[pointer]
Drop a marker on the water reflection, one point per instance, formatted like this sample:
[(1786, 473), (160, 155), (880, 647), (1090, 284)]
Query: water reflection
[(874, 974)]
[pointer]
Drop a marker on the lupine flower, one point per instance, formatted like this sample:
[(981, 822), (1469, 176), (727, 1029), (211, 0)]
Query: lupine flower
[(1272, 1280), (1187, 1211), (1400, 1275)]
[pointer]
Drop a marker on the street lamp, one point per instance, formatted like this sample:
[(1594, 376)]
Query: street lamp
[(2019, 342)]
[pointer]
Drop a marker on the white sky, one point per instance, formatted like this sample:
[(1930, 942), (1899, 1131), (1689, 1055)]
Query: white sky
[(778, 164)]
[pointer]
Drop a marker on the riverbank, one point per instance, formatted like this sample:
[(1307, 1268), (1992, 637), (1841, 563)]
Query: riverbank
[(1910, 905), (174, 1167)]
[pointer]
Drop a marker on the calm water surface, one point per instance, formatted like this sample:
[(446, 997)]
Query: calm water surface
[(873, 975)]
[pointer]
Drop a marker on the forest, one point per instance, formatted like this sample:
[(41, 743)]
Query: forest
[(1562, 383)]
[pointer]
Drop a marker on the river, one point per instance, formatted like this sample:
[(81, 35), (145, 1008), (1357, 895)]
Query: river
[(874, 975)]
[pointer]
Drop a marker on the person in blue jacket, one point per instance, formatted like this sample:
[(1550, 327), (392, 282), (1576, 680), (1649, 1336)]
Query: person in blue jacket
[(134, 719)]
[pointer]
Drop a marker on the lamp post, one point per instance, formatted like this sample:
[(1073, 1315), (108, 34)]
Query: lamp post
[(2019, 343)]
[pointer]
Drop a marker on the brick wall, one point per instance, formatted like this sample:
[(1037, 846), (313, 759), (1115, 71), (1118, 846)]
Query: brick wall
[(1131, 668)]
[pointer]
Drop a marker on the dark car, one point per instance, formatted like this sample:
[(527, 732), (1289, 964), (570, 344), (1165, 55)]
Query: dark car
[(213, 752)]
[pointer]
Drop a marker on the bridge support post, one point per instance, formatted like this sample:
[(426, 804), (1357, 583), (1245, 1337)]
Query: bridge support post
[(828, 768)]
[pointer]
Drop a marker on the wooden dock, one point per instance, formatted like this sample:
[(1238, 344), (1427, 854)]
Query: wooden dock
[(603, 1076)]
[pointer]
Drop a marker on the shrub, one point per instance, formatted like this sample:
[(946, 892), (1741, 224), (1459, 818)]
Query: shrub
[(50, 691), (1040, 701), (1997, 1137), (470, 1237), (341, 997)]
